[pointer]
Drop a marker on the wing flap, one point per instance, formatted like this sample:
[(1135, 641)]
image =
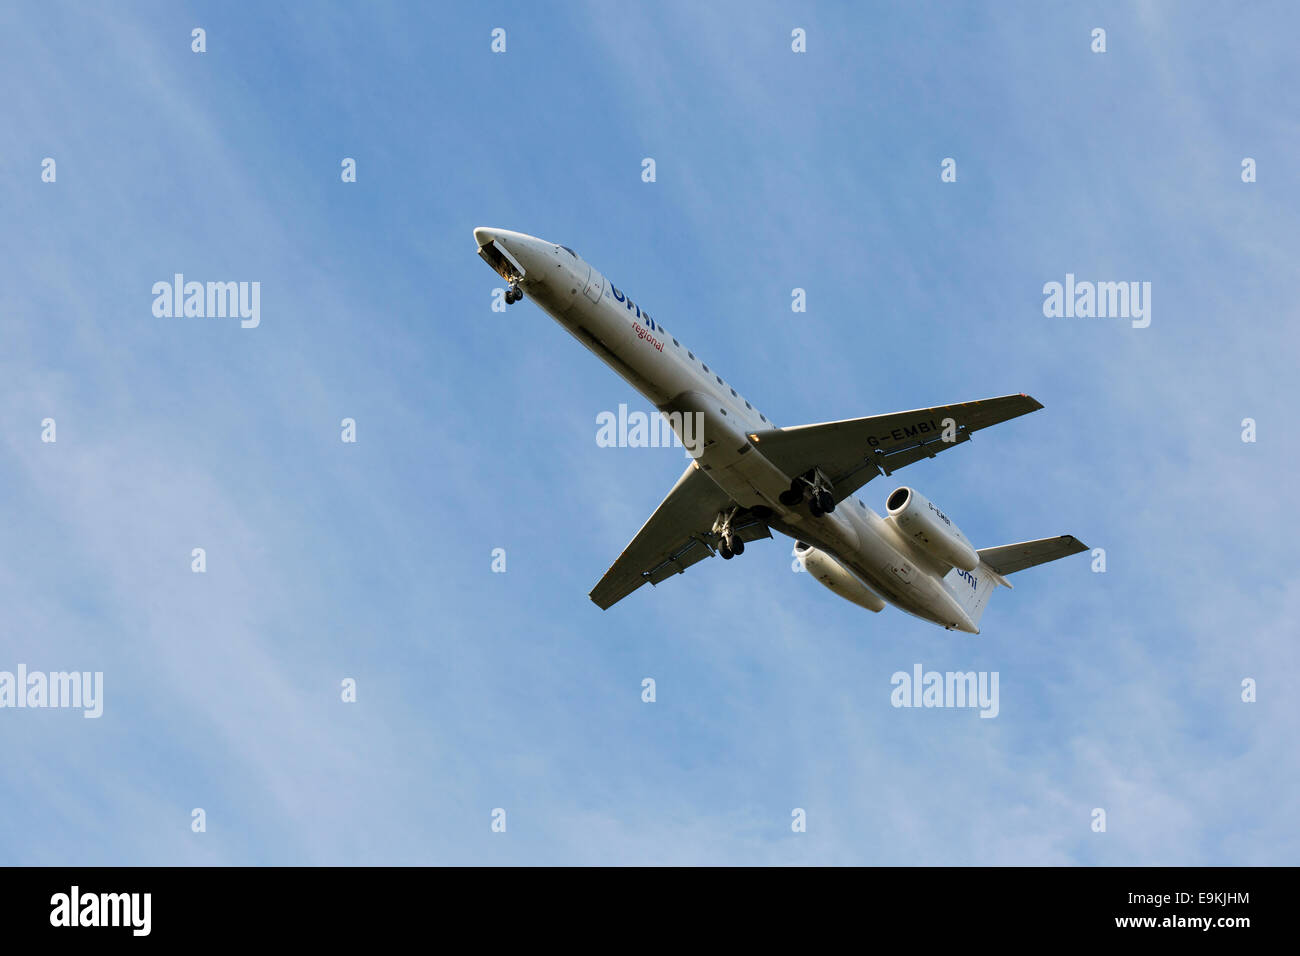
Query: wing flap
[(695, 550)]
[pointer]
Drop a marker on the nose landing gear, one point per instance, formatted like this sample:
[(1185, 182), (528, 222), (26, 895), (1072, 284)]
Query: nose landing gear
[(514, 293)]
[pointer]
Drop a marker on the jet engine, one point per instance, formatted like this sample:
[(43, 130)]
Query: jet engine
[(920, 522), (837, 577)]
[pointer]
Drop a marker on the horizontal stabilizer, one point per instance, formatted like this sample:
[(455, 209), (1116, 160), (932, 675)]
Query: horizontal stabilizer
[(1010, 558)]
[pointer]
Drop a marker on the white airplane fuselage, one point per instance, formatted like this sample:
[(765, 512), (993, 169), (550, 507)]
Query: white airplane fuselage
[(889, 566)]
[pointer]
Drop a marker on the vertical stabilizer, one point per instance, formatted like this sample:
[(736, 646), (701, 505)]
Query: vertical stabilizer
[(972, 588)]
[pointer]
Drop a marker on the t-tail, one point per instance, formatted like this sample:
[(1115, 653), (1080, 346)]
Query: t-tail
[(973, 588)]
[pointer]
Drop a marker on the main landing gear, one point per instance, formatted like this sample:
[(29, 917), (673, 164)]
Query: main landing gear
[(814, 488), (732, 544), (821, 503), (514, 293)]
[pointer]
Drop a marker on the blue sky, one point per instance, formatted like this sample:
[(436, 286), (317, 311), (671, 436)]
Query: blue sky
[(476, 430)]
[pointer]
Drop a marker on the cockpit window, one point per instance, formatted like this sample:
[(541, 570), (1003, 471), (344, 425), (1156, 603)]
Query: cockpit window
[(569, 251)]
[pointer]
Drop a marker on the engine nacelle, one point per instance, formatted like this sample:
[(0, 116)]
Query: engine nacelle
[(930, 529), (837, 577)]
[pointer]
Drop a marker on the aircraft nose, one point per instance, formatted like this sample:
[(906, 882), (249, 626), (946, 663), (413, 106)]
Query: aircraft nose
[(485, 234), (514, 255)]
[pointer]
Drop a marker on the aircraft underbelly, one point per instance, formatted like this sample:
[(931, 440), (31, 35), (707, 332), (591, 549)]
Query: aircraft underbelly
[(881, 567)]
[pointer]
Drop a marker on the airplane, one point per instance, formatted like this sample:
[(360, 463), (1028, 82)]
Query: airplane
[(748, 478)]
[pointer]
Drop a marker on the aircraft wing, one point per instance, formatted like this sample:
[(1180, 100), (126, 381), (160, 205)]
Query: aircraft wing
[(1010, 558), (677, 535), (852, 452)]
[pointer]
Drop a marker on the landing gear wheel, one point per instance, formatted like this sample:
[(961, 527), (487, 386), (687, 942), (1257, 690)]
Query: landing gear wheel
[(725, 551), (515, 291), (510, 296), (737, 545), (790, 498), (826, 501), (815, 506)]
